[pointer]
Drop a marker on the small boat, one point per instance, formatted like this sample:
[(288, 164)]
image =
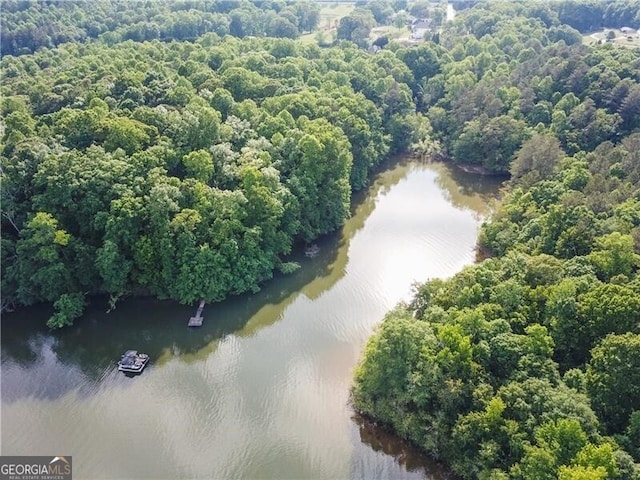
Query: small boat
[(312, 251), (132, 361)]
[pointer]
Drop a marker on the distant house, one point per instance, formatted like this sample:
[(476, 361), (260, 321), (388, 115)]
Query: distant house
[(420, 23), (419, 27)]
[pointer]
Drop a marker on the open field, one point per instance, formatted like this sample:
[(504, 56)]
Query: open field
[(620, 38), (330, 15), (391, 32)]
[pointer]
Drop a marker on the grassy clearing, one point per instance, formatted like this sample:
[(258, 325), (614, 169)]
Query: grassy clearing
[(330, 15), (620, 39), (391, 32)]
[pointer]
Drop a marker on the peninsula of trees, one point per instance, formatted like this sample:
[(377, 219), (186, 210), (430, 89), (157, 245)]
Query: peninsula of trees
[(176, 168)]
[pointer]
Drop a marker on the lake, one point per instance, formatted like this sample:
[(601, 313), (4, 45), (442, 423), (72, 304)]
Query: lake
[(261, 390)]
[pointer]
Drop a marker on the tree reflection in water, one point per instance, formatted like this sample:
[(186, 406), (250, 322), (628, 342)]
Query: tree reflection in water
[(405, 454)]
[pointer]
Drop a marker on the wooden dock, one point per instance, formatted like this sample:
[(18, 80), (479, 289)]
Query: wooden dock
[(197, 320)]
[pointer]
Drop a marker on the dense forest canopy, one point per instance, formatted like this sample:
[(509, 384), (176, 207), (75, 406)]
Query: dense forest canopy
[(30, 25), (181, 149), (181, 169)]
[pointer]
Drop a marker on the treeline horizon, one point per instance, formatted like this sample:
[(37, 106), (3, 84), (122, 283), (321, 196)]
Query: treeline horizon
[(29, 25)]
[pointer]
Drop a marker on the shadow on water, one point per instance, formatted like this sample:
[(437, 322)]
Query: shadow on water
[(81, 360), (159, 328), (405, 454), (468, 190), (92, 346), (89, 350)]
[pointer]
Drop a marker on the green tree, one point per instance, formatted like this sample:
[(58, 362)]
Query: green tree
[(632, 435), (484, 440), (113, 267), (598, 457), (614, 255), (557, 444), (492, 143), (580, 472), (43, 250), (127, 134), (356, 27), (613, 379), (199, 165), (198, 127), (609, 308), (320, 180), (536, 159), (67, 308)]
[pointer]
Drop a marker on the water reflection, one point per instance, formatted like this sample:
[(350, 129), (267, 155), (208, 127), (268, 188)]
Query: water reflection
[(404, 453), (261, 389), (468, 190), (157, 327)]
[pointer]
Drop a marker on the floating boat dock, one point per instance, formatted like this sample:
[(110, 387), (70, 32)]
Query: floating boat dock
[(197, 320)]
